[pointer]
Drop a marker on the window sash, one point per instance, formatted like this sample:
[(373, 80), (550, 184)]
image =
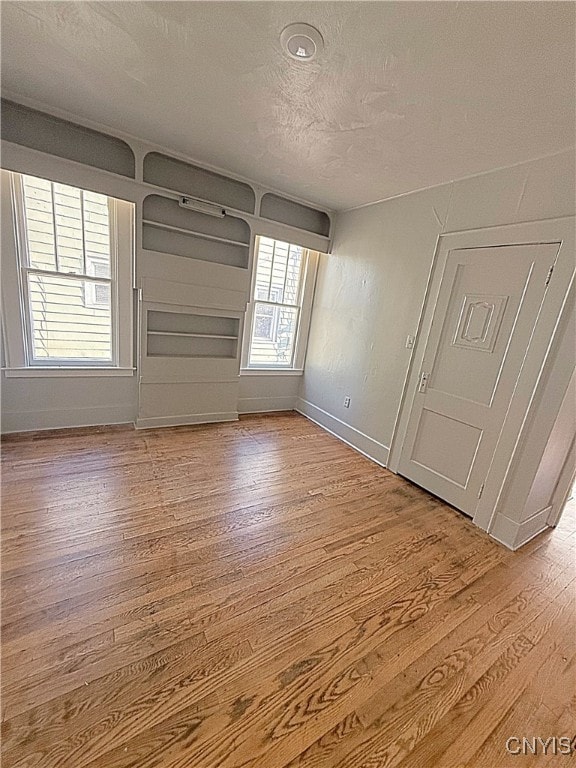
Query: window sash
[(91, 328), (275, 365), (268, 283), (276, 304), (75, 275)]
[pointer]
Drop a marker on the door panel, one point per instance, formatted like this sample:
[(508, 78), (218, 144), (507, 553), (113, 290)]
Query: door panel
[(486, 310), (436, 435), (482, 329)]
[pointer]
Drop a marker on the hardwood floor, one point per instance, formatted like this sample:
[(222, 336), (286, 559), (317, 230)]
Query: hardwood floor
[(260, 595)]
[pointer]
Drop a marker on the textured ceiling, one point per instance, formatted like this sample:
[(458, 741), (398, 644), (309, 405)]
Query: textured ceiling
[(406, 95)]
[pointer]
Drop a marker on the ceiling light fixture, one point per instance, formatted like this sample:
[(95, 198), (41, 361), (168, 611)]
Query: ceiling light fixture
[(301, 41)]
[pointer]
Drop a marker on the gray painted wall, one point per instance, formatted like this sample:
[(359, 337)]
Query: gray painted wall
[(370, 290), (52, 403), (368, 299)]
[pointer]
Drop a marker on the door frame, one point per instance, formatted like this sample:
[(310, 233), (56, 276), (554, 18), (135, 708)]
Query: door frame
[(538, 356), (563, 488), (567, 475)]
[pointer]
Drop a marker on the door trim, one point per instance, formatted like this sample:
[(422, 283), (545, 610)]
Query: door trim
[(549, 231)]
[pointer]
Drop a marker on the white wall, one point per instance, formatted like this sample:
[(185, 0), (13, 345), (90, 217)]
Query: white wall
[(52, 403), (370, 290), (260, 392), (368, 298)]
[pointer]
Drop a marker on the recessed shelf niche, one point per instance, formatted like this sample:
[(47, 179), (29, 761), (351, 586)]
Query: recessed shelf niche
[(170, 173), (168, 228), (295, 214), (179, 334), (46, 133)]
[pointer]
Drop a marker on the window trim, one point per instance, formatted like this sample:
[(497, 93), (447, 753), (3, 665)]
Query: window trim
[(305, 297), (16, 329), (54, 372)]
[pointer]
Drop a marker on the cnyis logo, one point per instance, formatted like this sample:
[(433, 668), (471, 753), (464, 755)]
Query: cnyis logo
[(538, 745)]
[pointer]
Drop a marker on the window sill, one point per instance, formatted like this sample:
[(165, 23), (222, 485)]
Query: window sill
[(79, 372), (271, 371)]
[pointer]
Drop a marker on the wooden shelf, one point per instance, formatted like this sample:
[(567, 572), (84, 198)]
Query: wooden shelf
[(322, 242), (194, 233), (191, 335), (191, 357)]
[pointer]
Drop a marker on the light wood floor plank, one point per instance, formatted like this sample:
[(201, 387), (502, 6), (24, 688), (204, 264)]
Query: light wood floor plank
[(258, 595)]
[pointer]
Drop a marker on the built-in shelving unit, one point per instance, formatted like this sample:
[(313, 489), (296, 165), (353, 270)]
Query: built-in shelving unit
[(191, 246), (168, 228), (189, 362), (157, 171), (169, 172), (203, 235), (182, 334), (277, 208), (191, 335), (192, 269), (62, 138)]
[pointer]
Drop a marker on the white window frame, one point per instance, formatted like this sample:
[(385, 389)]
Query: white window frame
[(304, 307), (16, 326)]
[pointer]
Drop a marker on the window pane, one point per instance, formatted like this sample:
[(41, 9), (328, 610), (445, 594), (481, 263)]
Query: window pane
[(71, 318), (67, 228), (293, 274), (39, 222), (273, 336), (96, 234), (278, 271)]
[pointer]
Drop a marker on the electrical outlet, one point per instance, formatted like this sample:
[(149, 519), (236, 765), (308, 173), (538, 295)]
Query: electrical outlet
[(346, 402)]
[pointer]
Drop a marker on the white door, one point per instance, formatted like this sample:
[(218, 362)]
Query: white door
[(487, 307)]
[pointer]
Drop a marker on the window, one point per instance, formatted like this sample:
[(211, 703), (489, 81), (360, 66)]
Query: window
[(279, 313), (71, 268)]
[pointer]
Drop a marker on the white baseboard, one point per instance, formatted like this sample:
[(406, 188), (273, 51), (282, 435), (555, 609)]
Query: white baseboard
[(514, 534), (265, 404), (153, 422), (64, 418), (362, 443)]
